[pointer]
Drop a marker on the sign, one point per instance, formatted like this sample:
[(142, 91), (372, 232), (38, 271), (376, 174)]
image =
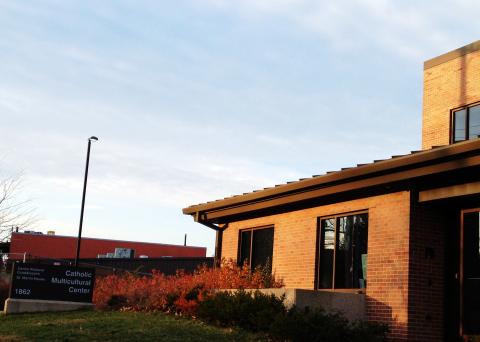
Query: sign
[(49, 282)]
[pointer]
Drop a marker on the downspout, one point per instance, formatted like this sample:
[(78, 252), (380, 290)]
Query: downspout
[(218, 238), (218, 248)]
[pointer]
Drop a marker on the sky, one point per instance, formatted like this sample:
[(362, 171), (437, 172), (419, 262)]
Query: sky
[(197, 100)]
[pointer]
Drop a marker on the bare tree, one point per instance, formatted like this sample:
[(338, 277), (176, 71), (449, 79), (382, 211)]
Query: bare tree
[(15, 213)]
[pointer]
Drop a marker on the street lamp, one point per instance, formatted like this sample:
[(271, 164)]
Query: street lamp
[(79, 240)]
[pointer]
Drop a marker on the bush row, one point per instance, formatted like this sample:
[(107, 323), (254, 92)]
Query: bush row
[(179, 293), (267, 313), (198, 295)]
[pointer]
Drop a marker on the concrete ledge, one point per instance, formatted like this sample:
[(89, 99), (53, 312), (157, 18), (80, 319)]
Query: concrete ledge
[(14, 305), (351, 305), (472, 47)]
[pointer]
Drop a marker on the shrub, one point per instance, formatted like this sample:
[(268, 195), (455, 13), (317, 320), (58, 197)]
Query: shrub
[(369, 332), (317, 325), (266, 313), (179, 293), (197, 295), (117, 302), (252, 312)]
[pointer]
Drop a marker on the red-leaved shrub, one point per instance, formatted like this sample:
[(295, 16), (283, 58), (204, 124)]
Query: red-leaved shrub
[(180, 293)]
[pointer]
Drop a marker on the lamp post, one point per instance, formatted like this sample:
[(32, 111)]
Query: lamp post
[(79, 240)]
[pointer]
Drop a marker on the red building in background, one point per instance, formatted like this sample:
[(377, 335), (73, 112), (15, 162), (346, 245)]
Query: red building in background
[(64, 247)]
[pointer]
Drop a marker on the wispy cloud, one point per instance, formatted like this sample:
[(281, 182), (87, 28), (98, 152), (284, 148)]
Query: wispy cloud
[(412, 30), (199, 100)]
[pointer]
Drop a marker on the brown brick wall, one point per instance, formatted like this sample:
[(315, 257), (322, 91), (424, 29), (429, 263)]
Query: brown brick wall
[(427, 273), (388, 252), (449, 85)]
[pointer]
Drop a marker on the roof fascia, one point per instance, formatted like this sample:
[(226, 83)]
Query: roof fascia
[(390, 165), (341, 188)]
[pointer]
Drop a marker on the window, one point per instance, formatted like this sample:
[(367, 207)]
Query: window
[(256, 247), (342, 251), (466, 123)]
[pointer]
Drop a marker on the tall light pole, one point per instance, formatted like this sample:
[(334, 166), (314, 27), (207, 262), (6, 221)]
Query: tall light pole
[(79, 240)]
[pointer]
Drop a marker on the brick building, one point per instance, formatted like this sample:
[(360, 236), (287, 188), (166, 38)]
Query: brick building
[(64, 247), (402, 232)]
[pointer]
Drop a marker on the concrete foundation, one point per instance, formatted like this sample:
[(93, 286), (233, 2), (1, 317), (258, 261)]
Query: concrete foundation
[(13, 305)]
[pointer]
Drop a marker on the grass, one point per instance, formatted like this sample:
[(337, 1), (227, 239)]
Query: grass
[(112, 326)]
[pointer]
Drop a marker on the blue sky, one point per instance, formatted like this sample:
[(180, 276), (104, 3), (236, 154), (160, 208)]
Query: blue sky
[(197, 100)]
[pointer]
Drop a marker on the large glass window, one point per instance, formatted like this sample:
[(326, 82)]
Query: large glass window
[(343, 252), (466, 123), (256, 247), (327, 250)]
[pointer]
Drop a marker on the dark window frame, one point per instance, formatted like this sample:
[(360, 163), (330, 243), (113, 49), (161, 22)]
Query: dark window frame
[(318, 250), (251, 230), (467, 121)]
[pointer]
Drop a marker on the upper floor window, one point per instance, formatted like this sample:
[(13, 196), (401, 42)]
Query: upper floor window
[(466, 123), (343, 252), (256, 247)]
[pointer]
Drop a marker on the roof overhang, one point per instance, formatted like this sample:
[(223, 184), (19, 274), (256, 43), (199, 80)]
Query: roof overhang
[(397, 169)]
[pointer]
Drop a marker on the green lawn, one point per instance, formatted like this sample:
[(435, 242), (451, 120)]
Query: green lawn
[(112, 326)]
